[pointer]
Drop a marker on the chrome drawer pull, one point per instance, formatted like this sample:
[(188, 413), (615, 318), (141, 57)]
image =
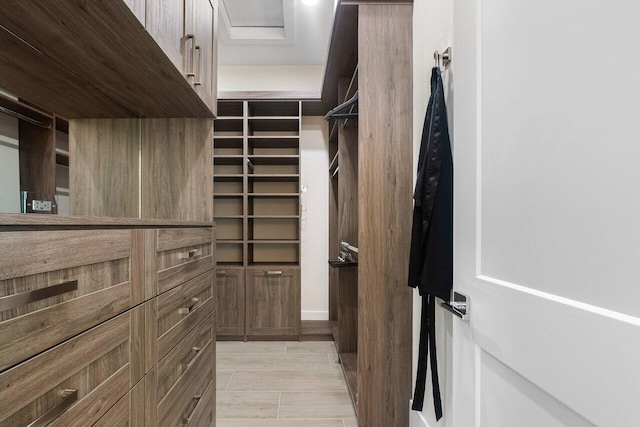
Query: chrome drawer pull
[(190, 254), (273, 273), (187, 310), (24, 298), (187, 420), (198, 78), (69, 396), (221, 273), (192, 37)]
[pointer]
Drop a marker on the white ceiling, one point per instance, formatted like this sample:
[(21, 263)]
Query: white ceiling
[(274, 32)]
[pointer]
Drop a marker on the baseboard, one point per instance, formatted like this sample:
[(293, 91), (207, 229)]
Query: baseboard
[(315, 315), (416, 419)]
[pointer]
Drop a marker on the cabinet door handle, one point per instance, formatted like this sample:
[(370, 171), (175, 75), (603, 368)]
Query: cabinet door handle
[(195, 351), (24, 298), (221, 273), (273, 273), (187, 420), (69, 396), (189, 309), (190, 254), (192, 37), (198, 80)]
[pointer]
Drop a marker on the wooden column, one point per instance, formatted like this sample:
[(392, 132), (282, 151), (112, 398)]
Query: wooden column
[(347, 228), (384, 214)]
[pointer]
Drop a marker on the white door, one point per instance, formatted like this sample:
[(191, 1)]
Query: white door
[(547, 213)]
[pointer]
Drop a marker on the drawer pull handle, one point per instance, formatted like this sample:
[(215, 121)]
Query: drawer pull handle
[(24, 298), (192, 37), (187, 310), (221, 273), (273, 273), (190, 254), (198, 78), (185, 366), (187, 420), (69, 396)]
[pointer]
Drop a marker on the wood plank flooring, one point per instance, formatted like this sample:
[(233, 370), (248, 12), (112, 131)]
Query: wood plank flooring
[(281, 384)]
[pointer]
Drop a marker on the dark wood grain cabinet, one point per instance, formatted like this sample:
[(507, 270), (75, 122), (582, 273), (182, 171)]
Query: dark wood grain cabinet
[(231, 301), (273, 301)]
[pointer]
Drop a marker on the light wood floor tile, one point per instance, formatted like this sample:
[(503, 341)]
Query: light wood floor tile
[(279, 423), (316, 404), (252, 361), (253, 347), (286, 381), (310, 347), (222, 379), (350, 422), (335, 361), (252, 405)]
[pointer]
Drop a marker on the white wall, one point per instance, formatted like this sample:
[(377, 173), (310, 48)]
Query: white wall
[(315, 218), (432, 30), (9, 165), (297, 78)]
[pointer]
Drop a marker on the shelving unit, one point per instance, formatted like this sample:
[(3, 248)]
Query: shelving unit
[(257, 211)]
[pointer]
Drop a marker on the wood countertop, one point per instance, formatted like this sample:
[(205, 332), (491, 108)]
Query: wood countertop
[(64, 221)]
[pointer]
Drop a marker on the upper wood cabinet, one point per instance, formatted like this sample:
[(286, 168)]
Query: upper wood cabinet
[(185, 30), (100, 44)]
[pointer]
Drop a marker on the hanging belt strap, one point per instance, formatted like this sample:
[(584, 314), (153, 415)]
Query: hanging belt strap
[(427, 345)]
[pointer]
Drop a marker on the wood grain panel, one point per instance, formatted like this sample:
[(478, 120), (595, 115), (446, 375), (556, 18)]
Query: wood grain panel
[(230, 311), (104, 173), (138, 8), (127, 411), (166, 24), (173, 276), (31, 221), (384, 214), (273, 302), (101, 42), (348, 228), (173, 238), (31, 252), (184, 147), (41, 80), (37, 158), (96, 363), (204, 28)]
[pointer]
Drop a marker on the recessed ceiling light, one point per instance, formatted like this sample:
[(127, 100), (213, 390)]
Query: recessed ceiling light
[(310, 2)]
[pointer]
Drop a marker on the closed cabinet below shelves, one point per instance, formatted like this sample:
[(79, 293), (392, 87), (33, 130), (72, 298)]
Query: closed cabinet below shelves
[(231, 302), (273, 301)]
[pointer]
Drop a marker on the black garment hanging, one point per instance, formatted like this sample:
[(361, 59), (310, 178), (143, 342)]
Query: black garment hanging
[(431, 258)]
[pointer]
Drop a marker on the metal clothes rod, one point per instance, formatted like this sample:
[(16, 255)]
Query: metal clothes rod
[(25, 118)]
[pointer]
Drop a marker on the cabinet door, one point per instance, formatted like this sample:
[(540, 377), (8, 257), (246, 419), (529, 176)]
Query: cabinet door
[(165, 21), (273, 302), (204, 28), (230, 309)]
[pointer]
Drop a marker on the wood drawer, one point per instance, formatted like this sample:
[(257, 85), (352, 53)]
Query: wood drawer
[(173, 314), (182, 254), (128, 411), (101, 365), (57, 284), (190, 398)]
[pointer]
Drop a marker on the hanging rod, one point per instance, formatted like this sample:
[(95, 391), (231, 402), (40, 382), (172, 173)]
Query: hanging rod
[(444, 57), (25, 118)]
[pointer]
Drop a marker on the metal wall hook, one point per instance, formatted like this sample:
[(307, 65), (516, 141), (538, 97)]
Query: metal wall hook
[(459, 305), (444, 57)]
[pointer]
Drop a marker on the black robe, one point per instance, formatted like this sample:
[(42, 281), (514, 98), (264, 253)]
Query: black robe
[(431, 258)]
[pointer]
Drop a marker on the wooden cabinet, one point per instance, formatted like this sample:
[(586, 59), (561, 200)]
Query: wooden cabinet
[(79, 380), (231, 300), (80, 346), (273, 301), (186, 31)]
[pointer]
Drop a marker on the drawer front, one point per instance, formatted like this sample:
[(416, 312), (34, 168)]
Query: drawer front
[(172, 315), (127, 412), (180, 359), (230, 293), (58, 299), (77, 382), (183, 254), (273, 302), (180, 405)]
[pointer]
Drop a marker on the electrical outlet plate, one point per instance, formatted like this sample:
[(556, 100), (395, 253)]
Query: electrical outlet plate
[(38, 203), (41, 205)]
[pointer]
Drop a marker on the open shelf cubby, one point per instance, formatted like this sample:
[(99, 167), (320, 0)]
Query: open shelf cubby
[(257, 182)]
